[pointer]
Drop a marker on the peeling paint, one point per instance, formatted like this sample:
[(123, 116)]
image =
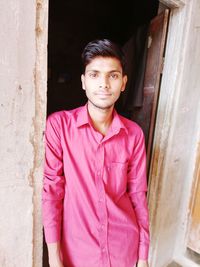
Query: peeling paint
[(40, 81)]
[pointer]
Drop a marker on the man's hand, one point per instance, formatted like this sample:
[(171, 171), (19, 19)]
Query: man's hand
[(142, 263), (54, 255)]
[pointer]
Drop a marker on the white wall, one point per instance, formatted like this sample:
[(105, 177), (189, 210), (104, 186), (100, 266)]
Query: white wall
[(176, 138), (20, 139)]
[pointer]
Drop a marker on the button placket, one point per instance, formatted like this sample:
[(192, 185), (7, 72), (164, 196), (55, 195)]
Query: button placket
[(102, 209)]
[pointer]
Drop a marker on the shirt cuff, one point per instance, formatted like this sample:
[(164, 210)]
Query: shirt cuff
[(143, 252), (52, 234)]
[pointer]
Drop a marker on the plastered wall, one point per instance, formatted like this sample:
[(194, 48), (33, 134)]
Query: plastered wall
[(22, 119)]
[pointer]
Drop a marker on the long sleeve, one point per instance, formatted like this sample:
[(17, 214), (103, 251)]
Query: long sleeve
[(53, 184), (137, 187)]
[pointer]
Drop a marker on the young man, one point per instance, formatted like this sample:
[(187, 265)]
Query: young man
[(94, 197)]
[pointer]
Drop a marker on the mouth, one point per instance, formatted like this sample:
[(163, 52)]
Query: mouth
[(103, 94)]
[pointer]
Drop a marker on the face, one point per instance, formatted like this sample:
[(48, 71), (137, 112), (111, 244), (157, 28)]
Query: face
[(103, 82)]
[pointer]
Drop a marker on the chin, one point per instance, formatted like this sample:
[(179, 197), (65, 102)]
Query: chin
[(102, 106)]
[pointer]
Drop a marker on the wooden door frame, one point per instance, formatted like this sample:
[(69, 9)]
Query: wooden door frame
[(39, 121), (173, 3), (162, 176)]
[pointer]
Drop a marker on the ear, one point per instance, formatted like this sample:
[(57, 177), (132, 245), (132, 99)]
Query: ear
[(125, 79), (83, 81)]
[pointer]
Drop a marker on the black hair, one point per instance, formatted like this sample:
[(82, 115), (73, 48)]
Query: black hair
[(102, 48)]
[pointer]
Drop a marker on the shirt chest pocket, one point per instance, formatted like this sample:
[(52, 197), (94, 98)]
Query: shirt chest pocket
[(116, 179)]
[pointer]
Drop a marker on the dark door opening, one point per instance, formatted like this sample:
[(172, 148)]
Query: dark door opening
[(72, 24)]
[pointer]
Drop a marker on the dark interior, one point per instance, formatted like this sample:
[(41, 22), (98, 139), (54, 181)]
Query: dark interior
[(72, 24)]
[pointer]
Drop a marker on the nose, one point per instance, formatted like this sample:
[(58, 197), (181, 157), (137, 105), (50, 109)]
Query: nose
[(103, 83)]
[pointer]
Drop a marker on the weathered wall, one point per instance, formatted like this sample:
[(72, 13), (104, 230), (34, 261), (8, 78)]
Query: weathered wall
[(22, 112), (176, 138)]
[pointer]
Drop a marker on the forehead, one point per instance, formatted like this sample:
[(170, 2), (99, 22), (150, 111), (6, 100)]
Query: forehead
[(104, 64)]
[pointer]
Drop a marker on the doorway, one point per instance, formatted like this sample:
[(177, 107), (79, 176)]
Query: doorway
[(72, 24)]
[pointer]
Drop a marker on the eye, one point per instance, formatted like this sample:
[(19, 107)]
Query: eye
[(93, 75), (114, 76)]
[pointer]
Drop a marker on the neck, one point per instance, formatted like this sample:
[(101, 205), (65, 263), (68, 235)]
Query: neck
[(101, 118)]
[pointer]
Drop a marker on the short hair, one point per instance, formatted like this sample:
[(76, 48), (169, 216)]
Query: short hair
[(102, 48)]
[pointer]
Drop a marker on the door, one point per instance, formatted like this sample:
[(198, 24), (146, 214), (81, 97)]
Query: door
[(146, 115)]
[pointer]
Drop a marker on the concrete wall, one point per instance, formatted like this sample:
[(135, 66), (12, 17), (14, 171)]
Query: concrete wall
[(176, 138), (22, 116)]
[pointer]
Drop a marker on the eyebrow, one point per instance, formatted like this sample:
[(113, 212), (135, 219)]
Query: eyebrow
[(107, 72)]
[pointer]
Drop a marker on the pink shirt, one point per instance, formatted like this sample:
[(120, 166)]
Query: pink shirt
[(94, 195)]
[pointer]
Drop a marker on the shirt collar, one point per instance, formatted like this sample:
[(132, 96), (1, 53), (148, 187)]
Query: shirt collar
[(84, 118), (117, 123)]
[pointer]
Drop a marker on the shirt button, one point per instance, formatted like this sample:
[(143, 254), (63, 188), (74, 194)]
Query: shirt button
[(101, 227), (101, 199)]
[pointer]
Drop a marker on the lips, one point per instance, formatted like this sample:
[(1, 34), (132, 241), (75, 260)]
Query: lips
[(103, 94)]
